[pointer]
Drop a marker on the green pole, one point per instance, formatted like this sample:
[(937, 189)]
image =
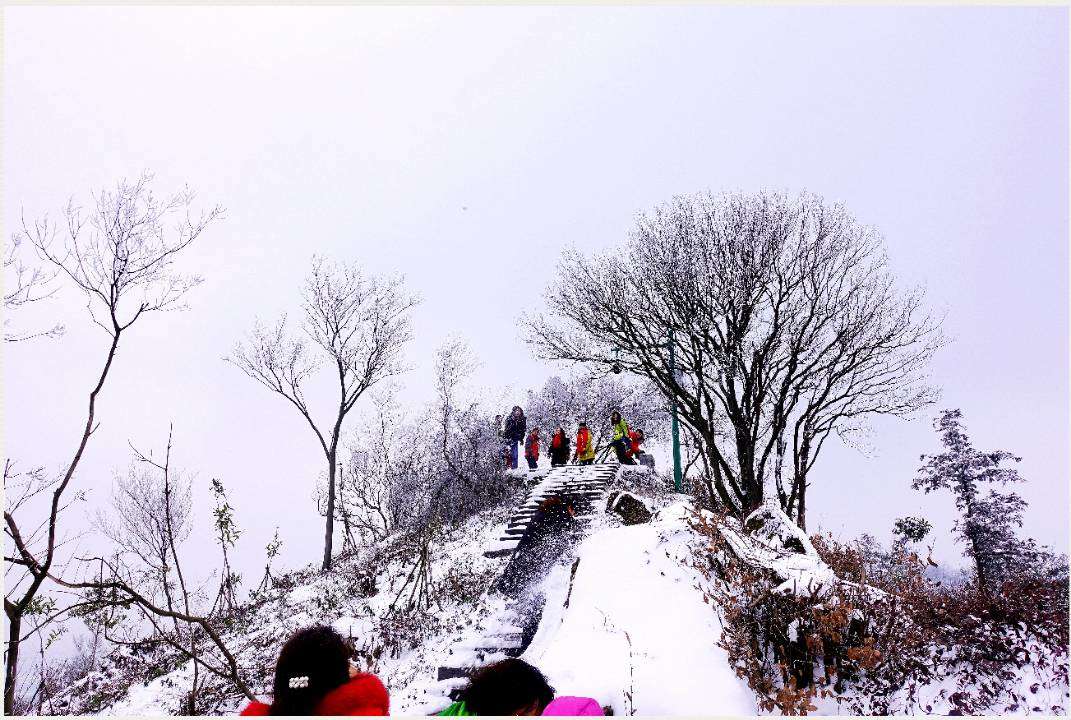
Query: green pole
[(677, 478)]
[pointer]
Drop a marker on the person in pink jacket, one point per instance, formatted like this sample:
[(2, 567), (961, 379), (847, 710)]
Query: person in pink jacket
[(567, 705)]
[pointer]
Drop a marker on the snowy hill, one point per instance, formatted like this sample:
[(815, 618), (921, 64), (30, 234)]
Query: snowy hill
[(630, 620), (626, 616)]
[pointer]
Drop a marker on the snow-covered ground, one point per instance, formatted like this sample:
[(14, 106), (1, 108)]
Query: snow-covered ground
[(636, 634), (624, 621)]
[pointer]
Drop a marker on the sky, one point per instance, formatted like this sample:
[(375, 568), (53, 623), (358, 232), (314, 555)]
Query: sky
[(466, 147)]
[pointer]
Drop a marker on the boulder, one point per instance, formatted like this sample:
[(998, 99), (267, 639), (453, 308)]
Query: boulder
[(629, 508)]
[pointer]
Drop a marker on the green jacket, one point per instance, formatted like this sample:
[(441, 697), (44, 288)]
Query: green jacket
[(457, 708), (620, 430)]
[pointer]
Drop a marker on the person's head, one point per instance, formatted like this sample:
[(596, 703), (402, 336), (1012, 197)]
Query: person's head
[(615, 417), (639, 435), (560, 431), (312, 663), (584, 424), (507, 687)]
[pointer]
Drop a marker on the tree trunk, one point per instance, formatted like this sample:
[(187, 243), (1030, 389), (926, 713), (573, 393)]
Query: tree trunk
[(968, 531), (801, 504), (14, 630), (329, 531)]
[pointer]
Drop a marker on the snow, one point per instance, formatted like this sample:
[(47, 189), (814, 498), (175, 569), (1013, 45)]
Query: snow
[(637, 634), (775, 542), (630, 628), (147, 700)]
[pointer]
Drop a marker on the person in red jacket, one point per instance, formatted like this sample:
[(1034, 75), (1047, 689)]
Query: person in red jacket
[(531, 449), (314, 676), (585, 446), (635, 438)]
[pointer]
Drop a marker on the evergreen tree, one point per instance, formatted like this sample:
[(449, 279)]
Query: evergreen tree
[(988, 522)]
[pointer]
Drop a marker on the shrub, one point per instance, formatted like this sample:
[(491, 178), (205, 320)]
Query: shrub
[(880, 634)]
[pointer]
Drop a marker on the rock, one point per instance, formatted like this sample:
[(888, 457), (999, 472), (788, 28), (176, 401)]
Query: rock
[(770, 526), (629, 508)]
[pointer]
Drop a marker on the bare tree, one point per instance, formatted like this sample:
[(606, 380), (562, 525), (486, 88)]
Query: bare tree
[(151, 519), (381, 482), (152, 507), (121, 255), (358, 325), (471, 474), (786, 328)]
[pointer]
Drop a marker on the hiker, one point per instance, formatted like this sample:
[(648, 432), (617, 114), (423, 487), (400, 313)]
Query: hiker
[(559, 448), (531, 449), (585, 446), (635, 438), (507, 687), (314, 676), (514, 434), (539, 547), (620, 442), (570, 706)]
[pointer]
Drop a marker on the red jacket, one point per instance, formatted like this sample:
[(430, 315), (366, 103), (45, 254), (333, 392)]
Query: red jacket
[(531, 448), (634, 437), (362, 695)]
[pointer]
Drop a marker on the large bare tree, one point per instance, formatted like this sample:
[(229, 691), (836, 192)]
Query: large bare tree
[(120, 253), (358, 326), (786, 324)]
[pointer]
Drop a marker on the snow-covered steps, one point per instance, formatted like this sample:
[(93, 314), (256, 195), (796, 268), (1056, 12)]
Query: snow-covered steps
[(502, 636), (584, 486)]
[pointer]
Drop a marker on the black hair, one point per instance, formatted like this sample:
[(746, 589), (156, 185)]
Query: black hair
[(615, 412), (506, 688), (316, 659)]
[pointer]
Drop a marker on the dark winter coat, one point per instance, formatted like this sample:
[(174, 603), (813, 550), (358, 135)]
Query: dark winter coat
[(515, 427), (362, 695), (559, 449)]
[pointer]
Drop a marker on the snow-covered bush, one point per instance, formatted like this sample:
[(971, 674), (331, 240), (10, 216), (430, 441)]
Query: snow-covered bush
[(883, 638)]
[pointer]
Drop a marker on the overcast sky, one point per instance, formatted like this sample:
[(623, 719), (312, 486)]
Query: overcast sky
[(466, 147)]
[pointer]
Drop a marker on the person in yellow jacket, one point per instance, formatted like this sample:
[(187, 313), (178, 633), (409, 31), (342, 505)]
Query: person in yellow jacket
[(585, 446), (620, 441)]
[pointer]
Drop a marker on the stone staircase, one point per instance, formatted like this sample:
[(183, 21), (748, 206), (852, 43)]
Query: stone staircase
[(509, 632), (581, 485)]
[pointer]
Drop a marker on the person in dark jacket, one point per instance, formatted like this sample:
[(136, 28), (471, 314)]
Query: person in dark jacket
[(559, 448), (507, 687), (516, 424), (314, 676), (531, 449)]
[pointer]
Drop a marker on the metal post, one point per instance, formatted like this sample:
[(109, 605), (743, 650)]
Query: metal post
[(677, 478)]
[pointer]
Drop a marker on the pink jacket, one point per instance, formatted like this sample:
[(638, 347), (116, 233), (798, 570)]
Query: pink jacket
[(573, 706)]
